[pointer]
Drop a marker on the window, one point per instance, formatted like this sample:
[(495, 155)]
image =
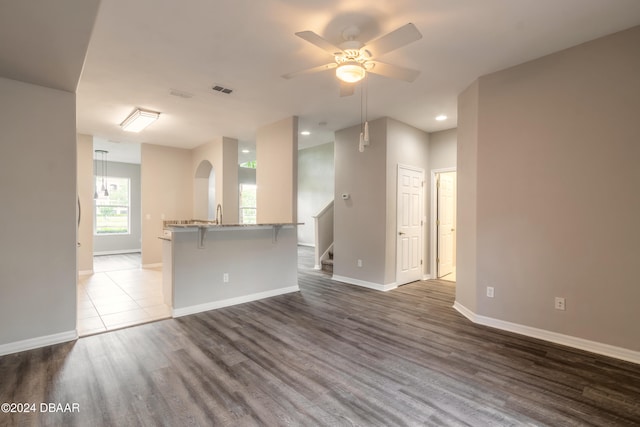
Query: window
[(112, 211), (247, 204), (250, 164)]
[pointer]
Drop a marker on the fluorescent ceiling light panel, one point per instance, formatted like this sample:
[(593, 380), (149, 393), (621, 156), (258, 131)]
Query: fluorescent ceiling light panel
[(305, 133), (139, 120)]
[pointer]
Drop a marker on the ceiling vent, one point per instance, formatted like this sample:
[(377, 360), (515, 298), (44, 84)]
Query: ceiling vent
[(180, 93), (222, 89)]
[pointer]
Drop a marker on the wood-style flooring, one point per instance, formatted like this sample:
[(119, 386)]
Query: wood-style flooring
[(331, 354)]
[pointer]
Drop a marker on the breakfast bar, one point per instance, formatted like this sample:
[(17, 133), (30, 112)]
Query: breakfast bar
[(208, 265)]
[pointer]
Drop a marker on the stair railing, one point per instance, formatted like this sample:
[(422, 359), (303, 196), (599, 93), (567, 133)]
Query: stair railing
[(324, 233)]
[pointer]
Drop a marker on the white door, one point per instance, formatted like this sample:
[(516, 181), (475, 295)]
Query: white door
[(445, 222), (409, 225)]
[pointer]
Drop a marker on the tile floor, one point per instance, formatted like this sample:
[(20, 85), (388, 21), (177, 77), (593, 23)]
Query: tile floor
[(119, 294)]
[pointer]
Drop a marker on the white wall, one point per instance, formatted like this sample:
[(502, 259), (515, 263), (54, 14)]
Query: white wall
[(167, 186), (222, 154), (557, 192), (277, 170), (316, 174), (124, 242), (37, 213)]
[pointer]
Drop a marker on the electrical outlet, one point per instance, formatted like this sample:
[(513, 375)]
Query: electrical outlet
[(225, 277), (490, 291), (560, 303), (359, 263)]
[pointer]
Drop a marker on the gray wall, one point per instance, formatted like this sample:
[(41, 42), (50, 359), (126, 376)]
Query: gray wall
[(443, 149), (407, 146), (557, 191), (38, 212), (466, 219), (124, 242), (360, 221), (316, 175), (365, 224), (85, 195)]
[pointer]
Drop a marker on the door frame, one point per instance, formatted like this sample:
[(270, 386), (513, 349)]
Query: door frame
[(422, 216), (433, 234)]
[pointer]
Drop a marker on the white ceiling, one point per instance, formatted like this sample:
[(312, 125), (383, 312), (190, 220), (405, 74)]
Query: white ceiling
[(141, 50)]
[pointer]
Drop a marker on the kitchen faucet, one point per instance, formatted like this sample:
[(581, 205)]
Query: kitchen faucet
[(219, 212)]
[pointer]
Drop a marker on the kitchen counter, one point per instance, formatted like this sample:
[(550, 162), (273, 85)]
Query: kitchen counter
[(208, 265)]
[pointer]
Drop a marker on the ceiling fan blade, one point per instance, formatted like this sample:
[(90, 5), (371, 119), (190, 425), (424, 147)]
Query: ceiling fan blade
[(400, 37), (310, 70), (392, 71), (347, 89), (320, 42)]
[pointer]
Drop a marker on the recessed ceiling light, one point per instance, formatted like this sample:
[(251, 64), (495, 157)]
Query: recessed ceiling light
[(245, 151), (441, 118), (305, 133)]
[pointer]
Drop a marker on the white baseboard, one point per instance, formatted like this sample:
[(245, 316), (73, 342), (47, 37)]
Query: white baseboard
[(155, 265), (31, 343), (85, 272), (364, 284), (193, 309), (118, 252), (309, 245), (426, 277), (568, 340)]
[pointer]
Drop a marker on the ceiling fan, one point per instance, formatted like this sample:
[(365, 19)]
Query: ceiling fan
[(353, 59)]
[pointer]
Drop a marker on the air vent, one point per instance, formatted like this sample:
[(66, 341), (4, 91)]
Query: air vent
[(222, 89), (180, 93)]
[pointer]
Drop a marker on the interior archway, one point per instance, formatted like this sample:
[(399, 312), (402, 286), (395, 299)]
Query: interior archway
[(204, 202)]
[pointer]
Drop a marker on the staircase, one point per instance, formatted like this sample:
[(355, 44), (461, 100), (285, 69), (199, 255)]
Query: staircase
[(327, 264)]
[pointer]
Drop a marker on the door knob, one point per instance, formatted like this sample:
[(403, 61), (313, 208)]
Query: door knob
[(400, 233)]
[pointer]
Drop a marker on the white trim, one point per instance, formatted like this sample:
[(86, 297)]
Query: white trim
[(365, 284), (568, 340), (85, 272), (433, 236), (309, 245), (213, 305), (155, 265), (426, 277), (118, 252), (31, 343)]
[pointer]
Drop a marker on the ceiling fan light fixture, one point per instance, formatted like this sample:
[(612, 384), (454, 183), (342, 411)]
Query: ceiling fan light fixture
[(139, 120), (350, 72)]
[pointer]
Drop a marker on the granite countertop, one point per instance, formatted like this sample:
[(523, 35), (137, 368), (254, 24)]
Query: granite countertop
[(195, 223)]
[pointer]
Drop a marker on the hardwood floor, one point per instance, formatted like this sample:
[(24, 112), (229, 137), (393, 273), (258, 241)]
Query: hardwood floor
[(331, 354)]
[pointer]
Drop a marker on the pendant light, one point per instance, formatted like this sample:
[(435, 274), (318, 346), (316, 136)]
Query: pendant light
[(101, 160), (364, 133)]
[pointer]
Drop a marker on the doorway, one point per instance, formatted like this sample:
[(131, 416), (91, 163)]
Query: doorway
[(409, 263), (117, 291), (443, 207)]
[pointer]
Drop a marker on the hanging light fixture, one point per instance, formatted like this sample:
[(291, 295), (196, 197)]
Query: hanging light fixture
[(364, 132), (100, 159)]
